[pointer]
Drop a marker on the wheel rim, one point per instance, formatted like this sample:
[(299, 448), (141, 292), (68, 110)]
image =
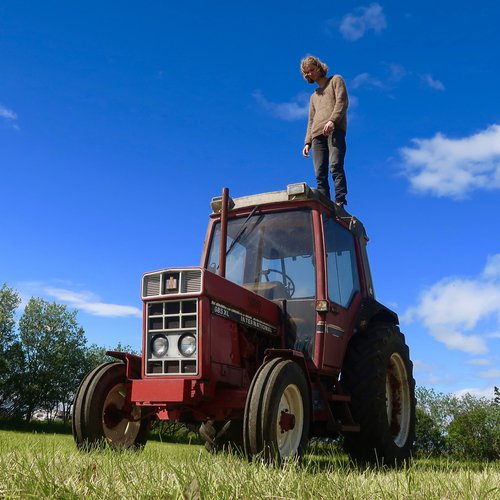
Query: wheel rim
[(120, 428), (398, 399), (290, 421)]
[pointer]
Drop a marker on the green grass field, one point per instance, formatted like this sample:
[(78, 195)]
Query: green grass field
[(36, 465)]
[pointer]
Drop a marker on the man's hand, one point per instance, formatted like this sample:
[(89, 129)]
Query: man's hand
[(327, 129), (305, 151)]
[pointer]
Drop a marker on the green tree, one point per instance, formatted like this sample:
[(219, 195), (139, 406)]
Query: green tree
[(466, 426), (429, 438), (432, 419), (54, 350), (475, 431), (96, 355), (9, 301), (10, 354)]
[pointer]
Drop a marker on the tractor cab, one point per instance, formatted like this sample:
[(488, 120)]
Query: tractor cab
[(299, 249)]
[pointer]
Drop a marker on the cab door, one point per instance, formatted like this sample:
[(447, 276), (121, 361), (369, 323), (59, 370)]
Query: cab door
[(343, 290)]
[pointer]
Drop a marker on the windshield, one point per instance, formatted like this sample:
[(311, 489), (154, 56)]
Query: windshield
[(270, 254)]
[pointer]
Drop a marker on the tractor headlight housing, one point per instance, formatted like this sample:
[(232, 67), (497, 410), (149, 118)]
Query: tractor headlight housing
[(187, 345), (159, 345)]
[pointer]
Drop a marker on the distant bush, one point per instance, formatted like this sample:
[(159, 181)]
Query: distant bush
[(34, 426), (429, 439), (475, 434), (464, 427)]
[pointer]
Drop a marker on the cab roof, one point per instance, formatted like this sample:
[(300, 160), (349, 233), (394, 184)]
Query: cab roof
[(294, 192)]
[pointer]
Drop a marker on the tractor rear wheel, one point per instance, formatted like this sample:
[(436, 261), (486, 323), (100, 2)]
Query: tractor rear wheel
[(277, 412), (378, 374), (102, 414)]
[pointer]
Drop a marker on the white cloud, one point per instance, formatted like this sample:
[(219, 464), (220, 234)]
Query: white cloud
[(366, 80), (435, 380), (479, 362), (432, 83), (7, 113), (293, 110), (83, 300), (454, 311), (353, 103), (396, 72), (492, 269), (422, 366), (354, 26), (90, 303), (479, 392), (8, 116), (454, 167), (390, 76), (490, 374)]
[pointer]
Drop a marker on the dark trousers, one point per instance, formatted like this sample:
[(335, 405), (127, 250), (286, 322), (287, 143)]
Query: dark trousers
[(328, 153)]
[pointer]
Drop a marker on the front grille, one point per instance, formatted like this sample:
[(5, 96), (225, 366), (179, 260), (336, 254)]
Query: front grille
[(169, 322), (191, 281), (152, 286), (172, 282)]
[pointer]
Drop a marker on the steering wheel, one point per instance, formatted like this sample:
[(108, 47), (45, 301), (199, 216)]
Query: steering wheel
[(287, 281)]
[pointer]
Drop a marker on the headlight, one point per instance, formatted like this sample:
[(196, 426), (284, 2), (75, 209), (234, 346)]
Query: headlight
[(187, 345), (159, 345)]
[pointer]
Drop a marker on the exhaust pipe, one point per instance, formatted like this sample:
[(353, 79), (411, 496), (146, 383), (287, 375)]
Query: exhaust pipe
[(223, 232)]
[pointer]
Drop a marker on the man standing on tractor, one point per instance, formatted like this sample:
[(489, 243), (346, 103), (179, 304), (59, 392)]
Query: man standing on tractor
[(326, 127)]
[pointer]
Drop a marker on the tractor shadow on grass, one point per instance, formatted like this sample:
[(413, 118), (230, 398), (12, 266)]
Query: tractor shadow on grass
[(327, 456)]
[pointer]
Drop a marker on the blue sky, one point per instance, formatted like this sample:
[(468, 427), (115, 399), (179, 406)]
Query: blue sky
[(120, 120)]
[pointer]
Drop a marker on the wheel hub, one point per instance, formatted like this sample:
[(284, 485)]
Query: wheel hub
[(287, 421), (114, 415)]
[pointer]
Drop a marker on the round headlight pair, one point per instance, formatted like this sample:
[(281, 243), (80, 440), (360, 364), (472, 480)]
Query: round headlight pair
[(186, 345)]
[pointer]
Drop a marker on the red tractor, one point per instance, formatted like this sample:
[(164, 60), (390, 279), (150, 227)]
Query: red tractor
[(277, 337)]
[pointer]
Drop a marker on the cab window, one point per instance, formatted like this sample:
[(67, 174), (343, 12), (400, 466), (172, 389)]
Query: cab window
[(342, 267)]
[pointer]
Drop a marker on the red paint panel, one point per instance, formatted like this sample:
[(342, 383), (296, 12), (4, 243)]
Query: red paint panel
[(157, 391), (222, 344), (231, 294)]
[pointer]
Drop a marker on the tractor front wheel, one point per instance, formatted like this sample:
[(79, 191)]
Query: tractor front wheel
[(278, 412), (103, 414)]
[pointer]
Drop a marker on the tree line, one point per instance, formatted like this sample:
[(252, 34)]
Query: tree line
[(43, 356), (463, 427)]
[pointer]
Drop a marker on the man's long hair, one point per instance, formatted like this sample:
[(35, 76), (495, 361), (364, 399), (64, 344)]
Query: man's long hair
[(313, 61)]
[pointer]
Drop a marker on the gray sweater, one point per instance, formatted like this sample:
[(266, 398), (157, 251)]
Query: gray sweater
[(327, 104)]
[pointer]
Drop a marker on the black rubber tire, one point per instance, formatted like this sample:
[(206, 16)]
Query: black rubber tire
[(77, 417), (279, 388), (97, 421), (252, 440), (378, 374)]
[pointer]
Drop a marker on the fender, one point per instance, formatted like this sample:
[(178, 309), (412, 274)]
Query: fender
[(373, 311), (132, 362)]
